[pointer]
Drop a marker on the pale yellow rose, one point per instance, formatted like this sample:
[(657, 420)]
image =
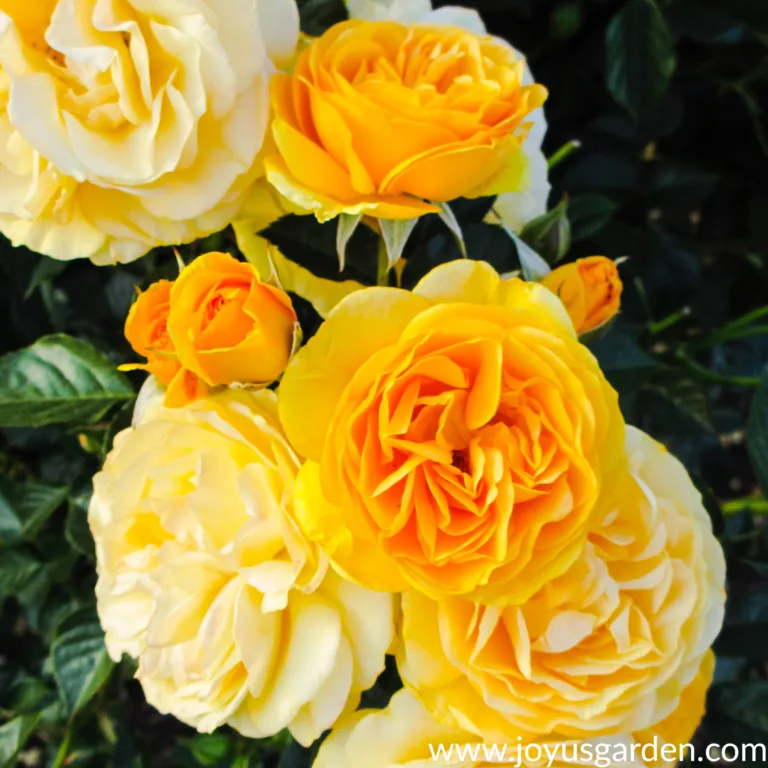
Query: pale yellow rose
[(606, 648), (206, 579), (128, 125), (407, 735)]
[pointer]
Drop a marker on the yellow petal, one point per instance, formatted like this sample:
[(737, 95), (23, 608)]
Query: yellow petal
[(359, 561), (363, 323), (474, 282), (272, 265), (327, 207)]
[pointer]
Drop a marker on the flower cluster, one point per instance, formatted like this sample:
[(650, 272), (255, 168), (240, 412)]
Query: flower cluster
[(442, 474), (133, 125)]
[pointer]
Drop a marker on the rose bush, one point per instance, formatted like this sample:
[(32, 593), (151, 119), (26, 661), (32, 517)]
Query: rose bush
[(587, 621)]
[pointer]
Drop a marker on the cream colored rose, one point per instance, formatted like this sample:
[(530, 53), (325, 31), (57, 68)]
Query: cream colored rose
[(204, 577), (407, 735), (513, 209), (609, 647), (128, 124)]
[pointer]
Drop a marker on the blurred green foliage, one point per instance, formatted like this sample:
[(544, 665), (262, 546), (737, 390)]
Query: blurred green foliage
[(668, 100)]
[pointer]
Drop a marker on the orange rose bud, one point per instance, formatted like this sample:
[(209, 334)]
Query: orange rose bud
[(147, 332), (229, 327), (589, 288)]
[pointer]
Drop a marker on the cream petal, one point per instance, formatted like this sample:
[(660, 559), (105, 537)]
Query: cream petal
[(33, 110), (308, 658), (329, 702), (279, 22), (368, 622), (451, 15)]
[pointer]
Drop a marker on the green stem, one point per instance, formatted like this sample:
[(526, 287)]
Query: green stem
[(562, 153), (730, 333), (669, 321), (752, 505), (61, 755), (749, 318), (714, 377)]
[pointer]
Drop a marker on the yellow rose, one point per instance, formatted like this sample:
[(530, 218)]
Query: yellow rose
[(515, 209), (228, 326), (385, 119), (206, 579), (407, 734), (146, 330), (132, 125), (590, 289), (609, 646), (457, 435), (679, 727)]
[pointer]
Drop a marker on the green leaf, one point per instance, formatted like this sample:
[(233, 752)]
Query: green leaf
[(58, 380), (744, 701), (348, 224), (589, 215), (46, 270), (296, 756), (550, 234), (746, 624), (210, 748), (13, 736), (757, 434), (17, 569), (76, 529), (532, 265), (24, 507), (396, 234), (640, 56), (449, 219), (81, 664), (751, 12)]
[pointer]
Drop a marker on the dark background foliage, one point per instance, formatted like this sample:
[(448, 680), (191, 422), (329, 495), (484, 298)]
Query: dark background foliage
[(667, 100)]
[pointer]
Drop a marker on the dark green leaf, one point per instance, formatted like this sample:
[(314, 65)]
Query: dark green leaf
[(744, 701), (296, 756), (550, 235), (24, 507), (58, 380), (640, 56), (757, 434), (589, 214), (746, 624), (46, 270), (210, 748), (13, 736), (751, 12), (77, 530), (17, 568), (691, 18), (81, 664)]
